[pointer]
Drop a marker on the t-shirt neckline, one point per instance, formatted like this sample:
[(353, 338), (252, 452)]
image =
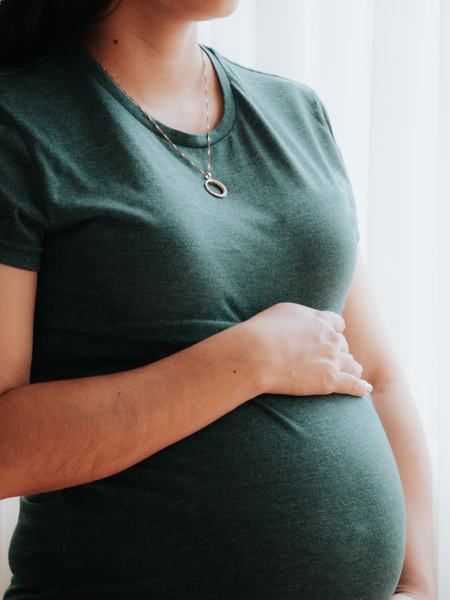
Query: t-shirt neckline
[(185, 138)]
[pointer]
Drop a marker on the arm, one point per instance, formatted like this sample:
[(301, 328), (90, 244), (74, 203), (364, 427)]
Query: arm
[(63, 433), (395, 406)]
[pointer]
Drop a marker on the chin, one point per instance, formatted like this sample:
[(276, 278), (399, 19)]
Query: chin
[(203, 10)]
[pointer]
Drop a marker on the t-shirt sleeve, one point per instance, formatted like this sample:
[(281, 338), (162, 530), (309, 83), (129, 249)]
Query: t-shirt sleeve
[(323, 114), (23, 222)]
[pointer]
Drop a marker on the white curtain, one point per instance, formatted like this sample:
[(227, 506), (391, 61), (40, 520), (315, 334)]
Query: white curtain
[(382, 68)]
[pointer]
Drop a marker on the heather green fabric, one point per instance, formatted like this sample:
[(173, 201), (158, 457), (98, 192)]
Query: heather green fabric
[(283, 498)]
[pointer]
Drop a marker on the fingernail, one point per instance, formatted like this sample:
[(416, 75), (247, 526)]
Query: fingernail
[(369, 387)]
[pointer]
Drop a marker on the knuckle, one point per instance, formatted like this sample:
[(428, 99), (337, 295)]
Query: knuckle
[(318, 319), (327, 313), (341, 319), (329, 349), (344, 343), (334, 336)]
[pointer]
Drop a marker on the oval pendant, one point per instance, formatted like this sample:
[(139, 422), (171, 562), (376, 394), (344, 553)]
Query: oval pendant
[(217, 183)]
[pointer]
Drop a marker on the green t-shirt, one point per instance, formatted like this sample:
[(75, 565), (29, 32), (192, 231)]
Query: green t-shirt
[(285, 497)]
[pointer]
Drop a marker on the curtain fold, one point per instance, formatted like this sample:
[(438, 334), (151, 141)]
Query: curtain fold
[(442, 340)]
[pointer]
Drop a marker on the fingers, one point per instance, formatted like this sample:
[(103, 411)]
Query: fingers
[(350, 384), (343, 344), (349, 364), (336, 320)]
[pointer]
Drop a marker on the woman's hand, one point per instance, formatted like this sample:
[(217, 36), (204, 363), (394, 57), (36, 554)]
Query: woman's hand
[(302, 351)]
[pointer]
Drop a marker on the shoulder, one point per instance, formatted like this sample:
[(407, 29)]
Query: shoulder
[(28, 93), (282, 89)]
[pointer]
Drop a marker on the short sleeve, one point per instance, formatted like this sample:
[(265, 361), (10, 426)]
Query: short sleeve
[(324, 116), (23, 223)]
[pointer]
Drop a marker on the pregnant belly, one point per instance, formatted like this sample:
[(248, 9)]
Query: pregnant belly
[(283, 498)]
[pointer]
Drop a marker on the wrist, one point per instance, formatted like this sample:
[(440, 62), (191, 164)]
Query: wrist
[(253, 352)]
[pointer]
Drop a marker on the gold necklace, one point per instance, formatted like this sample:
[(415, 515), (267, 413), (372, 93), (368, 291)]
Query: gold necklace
[(207, 174)]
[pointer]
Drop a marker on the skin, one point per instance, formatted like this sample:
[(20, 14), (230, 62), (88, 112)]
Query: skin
[(138, 38), (159, 38)]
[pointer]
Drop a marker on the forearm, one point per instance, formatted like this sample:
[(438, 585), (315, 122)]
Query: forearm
[(401, 421), (58, 434)]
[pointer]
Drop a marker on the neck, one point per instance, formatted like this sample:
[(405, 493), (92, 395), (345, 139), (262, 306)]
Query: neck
[(151, 52)]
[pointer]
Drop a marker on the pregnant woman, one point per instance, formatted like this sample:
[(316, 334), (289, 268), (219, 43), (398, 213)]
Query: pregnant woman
[(183, 319)]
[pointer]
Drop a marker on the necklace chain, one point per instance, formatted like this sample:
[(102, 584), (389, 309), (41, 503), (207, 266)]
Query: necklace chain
[(207, 173)]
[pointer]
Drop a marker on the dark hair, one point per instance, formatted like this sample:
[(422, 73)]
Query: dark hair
[(30, 29)]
